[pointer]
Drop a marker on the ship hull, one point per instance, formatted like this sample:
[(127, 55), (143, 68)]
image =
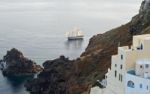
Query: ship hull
[(76, 38)]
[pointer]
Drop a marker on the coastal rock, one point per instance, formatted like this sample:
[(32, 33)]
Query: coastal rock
[(53, 79), (15, 64)]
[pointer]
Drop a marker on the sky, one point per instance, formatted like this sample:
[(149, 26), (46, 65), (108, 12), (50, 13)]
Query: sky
[(115, 10), (85, 4), (105, 6)]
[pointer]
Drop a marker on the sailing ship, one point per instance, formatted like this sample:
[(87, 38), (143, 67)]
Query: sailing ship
[(75, 34)]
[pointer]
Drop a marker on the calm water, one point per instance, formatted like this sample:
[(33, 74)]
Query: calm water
[(37, 27)]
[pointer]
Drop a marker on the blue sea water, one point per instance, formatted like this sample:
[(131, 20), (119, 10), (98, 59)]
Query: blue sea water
[(37, 28)]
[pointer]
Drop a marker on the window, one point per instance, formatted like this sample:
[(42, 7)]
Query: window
[(147, 66), (120, 66), (141, 85), (141, 46), (121, 78), (121, 57), (141, 66), (130, 84), (115, 73), (115, 65), (147, 87)]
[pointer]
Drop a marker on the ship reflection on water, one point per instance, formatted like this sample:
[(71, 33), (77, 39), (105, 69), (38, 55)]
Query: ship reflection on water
[(74, 44)]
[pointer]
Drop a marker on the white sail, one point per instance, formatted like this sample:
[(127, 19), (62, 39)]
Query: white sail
[(80, 33), (67, 34), (75, 34)]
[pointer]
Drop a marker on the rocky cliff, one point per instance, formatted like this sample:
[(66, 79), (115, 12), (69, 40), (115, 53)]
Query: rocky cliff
[(77, 77)]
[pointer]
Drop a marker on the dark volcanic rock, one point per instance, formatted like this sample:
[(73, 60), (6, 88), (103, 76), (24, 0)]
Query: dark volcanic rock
[(15, 64), (142, 20), (53, 79)]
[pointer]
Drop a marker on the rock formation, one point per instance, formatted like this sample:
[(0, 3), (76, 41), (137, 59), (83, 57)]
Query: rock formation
[(15, 64), (77, 77), (142, 20), (53, 79), (145, 5)]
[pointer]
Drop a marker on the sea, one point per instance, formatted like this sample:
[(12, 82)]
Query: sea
[(37, 28)]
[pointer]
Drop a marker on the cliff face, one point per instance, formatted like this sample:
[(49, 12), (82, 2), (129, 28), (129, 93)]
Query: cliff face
[(142, 20), (95, 61)]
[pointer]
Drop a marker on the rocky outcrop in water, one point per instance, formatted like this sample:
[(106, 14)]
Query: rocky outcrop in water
[(15, 64), (53, 79)]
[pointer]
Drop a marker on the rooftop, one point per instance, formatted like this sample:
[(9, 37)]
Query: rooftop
[(143, 61), (131, 72), (143, 37)]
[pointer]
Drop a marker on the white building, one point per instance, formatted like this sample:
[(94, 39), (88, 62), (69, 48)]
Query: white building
[(130, 68)]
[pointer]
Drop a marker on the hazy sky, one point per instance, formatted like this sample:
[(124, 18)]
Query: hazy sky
[(118, 10), (126, 6), (89, 4)]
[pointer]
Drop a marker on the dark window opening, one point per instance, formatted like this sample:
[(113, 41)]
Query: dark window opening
[(147, 66), (130, 84), (121, 78), (121, 57), (141, 85), (120, 66), (115, 73), (141, 46)]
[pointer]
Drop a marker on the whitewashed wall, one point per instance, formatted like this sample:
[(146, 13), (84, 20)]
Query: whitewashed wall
[(137, 81)]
